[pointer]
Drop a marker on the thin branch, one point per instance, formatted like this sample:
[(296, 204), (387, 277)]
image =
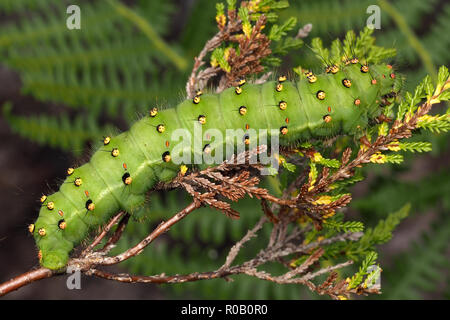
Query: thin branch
[(237, 247), (162, 228), (102, 234), (117, 234), (24, 279), (310, 276), (193, 83)]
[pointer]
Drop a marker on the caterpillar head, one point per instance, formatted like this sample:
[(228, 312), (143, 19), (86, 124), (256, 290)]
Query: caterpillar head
[(52, 232), (54, 260), (53, 249), (53, 256)]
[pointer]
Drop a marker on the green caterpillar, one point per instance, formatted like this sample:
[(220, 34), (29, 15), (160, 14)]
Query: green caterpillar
[(340, 101)]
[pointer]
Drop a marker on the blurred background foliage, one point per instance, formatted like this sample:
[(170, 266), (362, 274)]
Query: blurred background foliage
[(131, 55)]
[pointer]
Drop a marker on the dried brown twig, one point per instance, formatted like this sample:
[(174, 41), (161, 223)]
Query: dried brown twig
[(252, 50), (248, 61), (199, 78)]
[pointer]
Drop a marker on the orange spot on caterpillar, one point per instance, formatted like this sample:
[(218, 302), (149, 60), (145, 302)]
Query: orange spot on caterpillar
[(60, 212), (384, 77), (167, 143), (86, 193), (374, 81), (247, 126), (327, 118), (124, 165), (357, 102), (283, 130), (286, 120), (392, 75), (329, 109)]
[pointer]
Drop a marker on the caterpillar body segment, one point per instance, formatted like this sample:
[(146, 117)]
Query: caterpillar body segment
[(126, 166)]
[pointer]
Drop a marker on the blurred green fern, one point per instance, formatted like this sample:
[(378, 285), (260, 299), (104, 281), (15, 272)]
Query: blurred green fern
[(58, 132), (91, 70), (422, 270)]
